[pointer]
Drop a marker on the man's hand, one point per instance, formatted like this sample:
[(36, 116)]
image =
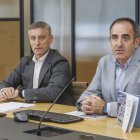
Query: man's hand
[(8, 93), (92, 105)]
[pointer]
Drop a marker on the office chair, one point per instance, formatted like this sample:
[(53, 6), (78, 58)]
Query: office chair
[(78, 88)]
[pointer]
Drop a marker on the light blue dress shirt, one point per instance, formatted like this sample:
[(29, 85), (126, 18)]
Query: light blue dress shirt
[(119, 77)]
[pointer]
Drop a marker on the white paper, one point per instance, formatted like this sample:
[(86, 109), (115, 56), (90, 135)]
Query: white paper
[(5, 107), (127, 113), (134, 113), (83, 115)]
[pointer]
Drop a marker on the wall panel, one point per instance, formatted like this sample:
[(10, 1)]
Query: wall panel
[(9, 46)]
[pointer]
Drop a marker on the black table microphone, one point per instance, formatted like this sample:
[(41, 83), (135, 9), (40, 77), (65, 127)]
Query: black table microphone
[(39, 125)]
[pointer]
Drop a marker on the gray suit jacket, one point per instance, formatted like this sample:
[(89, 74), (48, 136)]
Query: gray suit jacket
[(55, 74), (103, 83)]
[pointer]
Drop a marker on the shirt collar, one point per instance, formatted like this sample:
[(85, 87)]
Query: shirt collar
[(41, 59), (119, 65)]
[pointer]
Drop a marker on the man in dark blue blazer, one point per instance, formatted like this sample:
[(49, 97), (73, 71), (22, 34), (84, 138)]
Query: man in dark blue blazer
[(41, 76)]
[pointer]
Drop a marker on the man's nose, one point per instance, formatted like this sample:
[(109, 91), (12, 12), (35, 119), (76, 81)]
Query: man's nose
[(37, 41), (119, 41)]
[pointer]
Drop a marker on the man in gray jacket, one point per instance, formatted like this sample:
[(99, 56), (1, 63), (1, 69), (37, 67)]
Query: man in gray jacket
[(119, 71), (41, 76)]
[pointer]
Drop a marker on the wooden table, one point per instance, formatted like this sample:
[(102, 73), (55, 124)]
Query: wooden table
[(105, 126)]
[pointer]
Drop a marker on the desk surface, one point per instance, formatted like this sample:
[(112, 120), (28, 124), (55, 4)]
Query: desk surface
[(105, 126)]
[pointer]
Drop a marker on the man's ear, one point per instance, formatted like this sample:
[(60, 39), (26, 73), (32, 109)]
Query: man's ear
[(137, 41), (51, 39)]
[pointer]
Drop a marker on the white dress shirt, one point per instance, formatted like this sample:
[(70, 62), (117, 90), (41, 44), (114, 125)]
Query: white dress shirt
[(37, 69)]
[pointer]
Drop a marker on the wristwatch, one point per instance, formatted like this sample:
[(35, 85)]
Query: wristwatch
[(20, 89), (105, 110)]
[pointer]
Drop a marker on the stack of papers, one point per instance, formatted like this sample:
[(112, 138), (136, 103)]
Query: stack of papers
[(83, 115), (5, 107)]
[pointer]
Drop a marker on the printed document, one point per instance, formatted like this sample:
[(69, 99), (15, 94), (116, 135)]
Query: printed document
[(5, 107), (83, 115), (127, 111)]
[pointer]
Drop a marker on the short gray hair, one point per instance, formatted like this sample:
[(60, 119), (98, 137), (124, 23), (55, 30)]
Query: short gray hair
[(40, 24)]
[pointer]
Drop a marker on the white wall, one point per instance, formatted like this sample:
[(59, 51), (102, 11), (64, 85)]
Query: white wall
[(9, 8)]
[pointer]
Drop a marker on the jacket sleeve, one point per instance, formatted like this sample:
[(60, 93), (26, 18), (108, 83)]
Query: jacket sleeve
[(14, 79), (94, 87)]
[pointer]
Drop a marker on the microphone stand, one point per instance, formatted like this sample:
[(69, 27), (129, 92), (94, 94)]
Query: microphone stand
[(39, 126)]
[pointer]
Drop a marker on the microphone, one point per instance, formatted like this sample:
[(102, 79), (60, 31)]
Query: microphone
[(38, 129)]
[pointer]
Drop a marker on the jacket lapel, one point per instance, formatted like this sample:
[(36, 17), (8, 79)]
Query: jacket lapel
[(29, 73), (129, 73), (112, 81), (46, 66), (135, 62)]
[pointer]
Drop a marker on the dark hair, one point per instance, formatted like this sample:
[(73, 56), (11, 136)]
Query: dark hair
[(132, 22), (40, 24)]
